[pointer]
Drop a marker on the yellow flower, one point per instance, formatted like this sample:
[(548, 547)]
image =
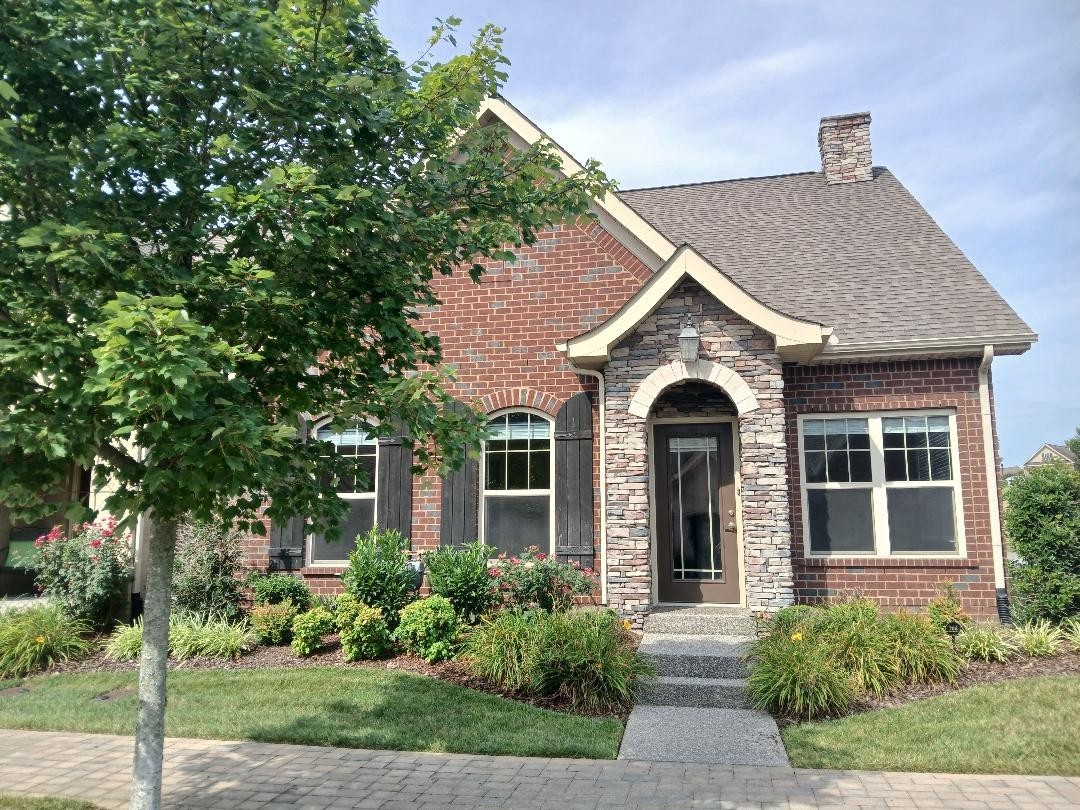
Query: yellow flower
[(796, 636), (40, 639), (626, 624)]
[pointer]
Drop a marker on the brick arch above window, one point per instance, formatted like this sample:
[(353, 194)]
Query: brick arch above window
[(521, 398), (667, 375)]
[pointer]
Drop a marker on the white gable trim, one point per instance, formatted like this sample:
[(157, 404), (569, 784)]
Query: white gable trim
[(618, 218), (1036, 457), (667, 375), (795, 339)]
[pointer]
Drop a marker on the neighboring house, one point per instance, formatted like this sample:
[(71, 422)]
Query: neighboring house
[(748, 392), (1046, 454)]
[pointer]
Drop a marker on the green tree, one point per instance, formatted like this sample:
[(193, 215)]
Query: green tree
[(222, 215), (1074, 445), (1042, 521)]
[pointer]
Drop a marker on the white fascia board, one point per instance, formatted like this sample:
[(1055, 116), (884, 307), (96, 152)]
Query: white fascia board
[(653, 248), (795, 338)]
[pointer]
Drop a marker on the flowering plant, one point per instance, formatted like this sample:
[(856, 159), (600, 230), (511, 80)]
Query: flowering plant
[(537, 581), (87, 572)]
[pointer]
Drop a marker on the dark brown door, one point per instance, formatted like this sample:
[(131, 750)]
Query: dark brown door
[(696, 535)]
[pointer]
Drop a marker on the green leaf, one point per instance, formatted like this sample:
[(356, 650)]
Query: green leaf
[(7, 92)]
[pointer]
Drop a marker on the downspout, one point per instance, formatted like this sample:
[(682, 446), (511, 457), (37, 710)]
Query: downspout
[(990, 458), (599, 376)]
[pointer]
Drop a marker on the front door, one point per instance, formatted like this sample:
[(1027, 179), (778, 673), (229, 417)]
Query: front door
[(696, 536)]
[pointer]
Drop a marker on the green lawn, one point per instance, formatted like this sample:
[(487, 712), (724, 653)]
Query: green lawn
[(355, 708), (1024, 727), (12, 802)]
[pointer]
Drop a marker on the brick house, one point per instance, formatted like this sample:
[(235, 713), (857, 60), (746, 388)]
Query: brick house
[(747, 393)]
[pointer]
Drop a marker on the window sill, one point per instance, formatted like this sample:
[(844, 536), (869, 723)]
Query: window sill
[(888, 562), (330, 569)]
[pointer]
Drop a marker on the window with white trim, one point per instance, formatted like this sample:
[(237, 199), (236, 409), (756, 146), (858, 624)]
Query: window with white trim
[(880, 484), (516, 498), (356, 486)]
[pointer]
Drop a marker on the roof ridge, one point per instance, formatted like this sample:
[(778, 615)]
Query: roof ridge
[(727, 180)]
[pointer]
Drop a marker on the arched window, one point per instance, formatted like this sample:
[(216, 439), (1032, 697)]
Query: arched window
[(356, 487), (516, 510)]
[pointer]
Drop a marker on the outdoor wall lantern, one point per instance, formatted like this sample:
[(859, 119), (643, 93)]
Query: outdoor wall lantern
[(689, 342)]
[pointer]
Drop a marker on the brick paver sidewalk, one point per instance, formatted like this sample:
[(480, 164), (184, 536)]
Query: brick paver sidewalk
[(208, 773)]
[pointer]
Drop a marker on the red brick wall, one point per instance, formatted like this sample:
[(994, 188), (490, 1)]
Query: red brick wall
[(898, 582), (500, 336)]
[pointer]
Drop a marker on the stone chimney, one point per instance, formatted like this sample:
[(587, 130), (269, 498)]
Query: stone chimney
[(844, 142)]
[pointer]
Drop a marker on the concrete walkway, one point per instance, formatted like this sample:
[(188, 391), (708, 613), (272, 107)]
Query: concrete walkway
[(242, 775)]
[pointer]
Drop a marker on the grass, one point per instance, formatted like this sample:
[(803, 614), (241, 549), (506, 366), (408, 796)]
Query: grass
[(9, 801), (351, 708), (1025, 726)]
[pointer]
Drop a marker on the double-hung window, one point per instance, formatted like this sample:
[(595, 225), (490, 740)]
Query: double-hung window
[(356, 486), (517, 493), (880, 484)]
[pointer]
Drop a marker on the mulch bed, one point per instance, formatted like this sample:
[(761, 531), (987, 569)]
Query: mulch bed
[(264, 657), (977, 673)]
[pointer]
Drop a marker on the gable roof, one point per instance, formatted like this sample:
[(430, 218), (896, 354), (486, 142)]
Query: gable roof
[(795, 339), (864, 258), (1062, 450)]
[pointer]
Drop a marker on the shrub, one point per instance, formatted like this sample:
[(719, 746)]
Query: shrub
[(325, 601), (190, 636), (273, 589), (798, 676), (865, 651), (208, 560), (463, 576), (379, 574), (537, 581), (365, 634), (309, 628), (788, 619), (923, 652), (1038, 639), (86, 573), (429, 628), (36, 637), (1071, 631), (273, 622), (984, 643), (945, 607), (500, 650), (588, 658), (1042, 522), (125, 642)]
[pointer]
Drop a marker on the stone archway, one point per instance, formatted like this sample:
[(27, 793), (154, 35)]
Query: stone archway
[(669, 374)]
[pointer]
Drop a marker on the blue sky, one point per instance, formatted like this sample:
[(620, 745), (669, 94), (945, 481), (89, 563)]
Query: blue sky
[(976, 108)]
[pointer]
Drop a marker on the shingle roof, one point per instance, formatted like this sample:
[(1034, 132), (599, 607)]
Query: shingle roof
[(864, 258), (1066, 451)]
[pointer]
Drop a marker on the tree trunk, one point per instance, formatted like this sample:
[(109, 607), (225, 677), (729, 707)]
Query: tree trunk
[(153, 665)]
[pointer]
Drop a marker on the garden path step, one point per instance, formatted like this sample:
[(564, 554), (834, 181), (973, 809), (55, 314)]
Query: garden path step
[(696, 656), (698, 620), (718, 736), (712, 693)]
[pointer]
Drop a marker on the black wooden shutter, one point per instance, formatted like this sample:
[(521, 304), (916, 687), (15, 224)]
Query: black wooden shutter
[(287, 539), (574, 497), (460, 508), (393, 493)]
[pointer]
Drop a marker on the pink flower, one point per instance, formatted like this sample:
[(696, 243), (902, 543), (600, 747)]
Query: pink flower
[(588, 572), (541, 556), (515, 560), (494, 572), (95, 544)]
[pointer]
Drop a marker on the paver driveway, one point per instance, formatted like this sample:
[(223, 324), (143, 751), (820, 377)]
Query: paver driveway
[(209, 773)]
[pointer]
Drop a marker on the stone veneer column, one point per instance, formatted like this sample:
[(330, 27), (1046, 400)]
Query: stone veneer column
[(731, 341)]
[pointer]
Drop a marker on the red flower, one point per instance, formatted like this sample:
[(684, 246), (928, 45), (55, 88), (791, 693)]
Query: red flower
[(494, 572), (541, 556), (95, 544), (515, 560)]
